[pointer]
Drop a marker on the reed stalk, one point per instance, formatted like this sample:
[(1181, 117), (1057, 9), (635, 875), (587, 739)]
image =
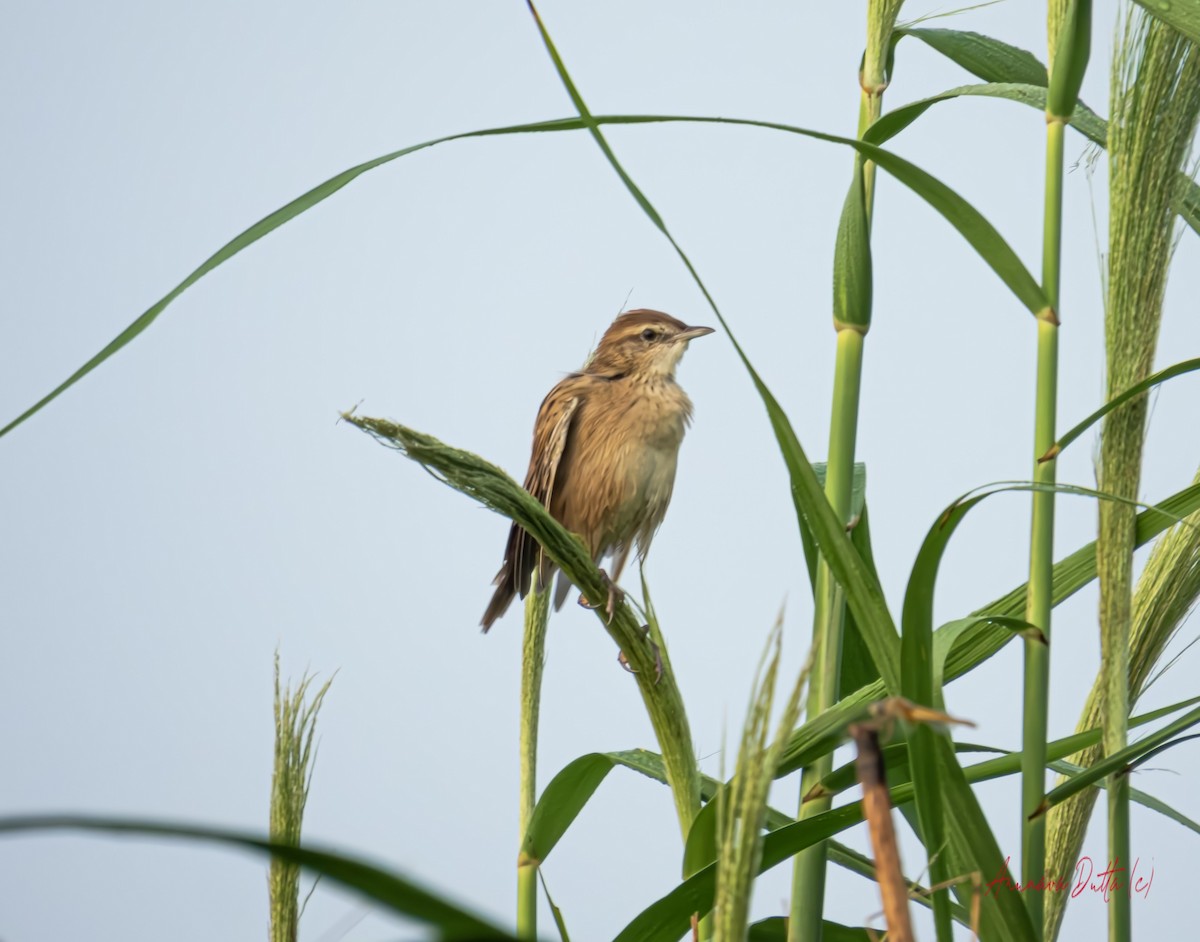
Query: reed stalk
[(1155, 101), (852, 319), (533, 661), (1069, 33)]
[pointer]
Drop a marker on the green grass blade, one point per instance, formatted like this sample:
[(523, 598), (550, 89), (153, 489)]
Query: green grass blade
[(1118, 761), (982, 56), (570, 790), (1070, 575), (488, 484), (864, 593), (559, 922), (264, 226), (858, 496), (972, 848), (1006, 763), (1142, 798), (561, 803), (857, 668), (1182, 15), (1020, 89), (1179, 369), (700, 850), (1084, 120), (668, 917), (917, 679), (388, 890), (992, 247), (970, 649)]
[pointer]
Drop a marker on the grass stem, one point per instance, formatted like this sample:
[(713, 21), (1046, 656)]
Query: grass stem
[(1041, 552), (533, 661), (808, 876)]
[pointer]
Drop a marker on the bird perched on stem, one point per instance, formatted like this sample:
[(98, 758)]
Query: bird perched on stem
[(605, 446)]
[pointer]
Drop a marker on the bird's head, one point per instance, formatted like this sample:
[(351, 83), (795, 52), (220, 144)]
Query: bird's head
[(643, 343)]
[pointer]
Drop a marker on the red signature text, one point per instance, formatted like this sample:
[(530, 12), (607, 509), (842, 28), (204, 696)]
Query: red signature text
[(1087, 878)]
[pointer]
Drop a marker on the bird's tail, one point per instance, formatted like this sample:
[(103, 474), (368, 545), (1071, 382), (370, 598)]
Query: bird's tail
[(502, 598), (562, 588)]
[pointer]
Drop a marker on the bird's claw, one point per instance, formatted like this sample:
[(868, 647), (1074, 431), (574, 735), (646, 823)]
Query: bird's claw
[(610, 606), (658, 661)]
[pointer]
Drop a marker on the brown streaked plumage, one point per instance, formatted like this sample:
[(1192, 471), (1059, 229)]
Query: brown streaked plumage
[(605, 446)]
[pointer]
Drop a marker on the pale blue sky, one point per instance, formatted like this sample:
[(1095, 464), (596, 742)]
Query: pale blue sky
[(193, 504)]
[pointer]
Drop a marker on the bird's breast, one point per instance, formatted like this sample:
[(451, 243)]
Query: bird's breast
[(652, 427), (619, 470)]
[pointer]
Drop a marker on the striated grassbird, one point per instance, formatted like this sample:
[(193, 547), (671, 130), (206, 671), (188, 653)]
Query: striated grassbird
[(605, 446)]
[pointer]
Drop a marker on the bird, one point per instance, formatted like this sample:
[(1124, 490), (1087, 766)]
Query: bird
[(605, 447)]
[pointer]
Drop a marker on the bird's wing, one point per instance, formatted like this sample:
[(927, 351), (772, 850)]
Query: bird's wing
[(550, 434)]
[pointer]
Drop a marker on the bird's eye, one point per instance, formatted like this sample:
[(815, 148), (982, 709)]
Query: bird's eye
[(649, 334)]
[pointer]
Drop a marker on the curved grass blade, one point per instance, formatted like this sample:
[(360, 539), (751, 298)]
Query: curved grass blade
[(857, 668), (389, 890), (1084, 120), (917, 679), (1006, 762), (972, 848), (488, 484), (1016, 86), (1125, 759), (980, 233), (986, 240), (968, 650), (1181, 15), (1142, 798), (865, 596), (559, 922), (668, 918), (982, 56), (858, 496), (561, 803), (948, 634), (1163, 748), (700, 849), (267, 224), (1179, 369), (1070, 575)]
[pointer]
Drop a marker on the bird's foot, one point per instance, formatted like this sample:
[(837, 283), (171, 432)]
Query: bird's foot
[(614, 593), (658, 661)]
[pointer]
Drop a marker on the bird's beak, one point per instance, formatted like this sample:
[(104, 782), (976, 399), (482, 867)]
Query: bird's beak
[(691, 333)]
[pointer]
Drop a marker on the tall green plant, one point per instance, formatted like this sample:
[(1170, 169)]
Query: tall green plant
[(1155, 103), (851, 321), (1070, 35), (533, 662)]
